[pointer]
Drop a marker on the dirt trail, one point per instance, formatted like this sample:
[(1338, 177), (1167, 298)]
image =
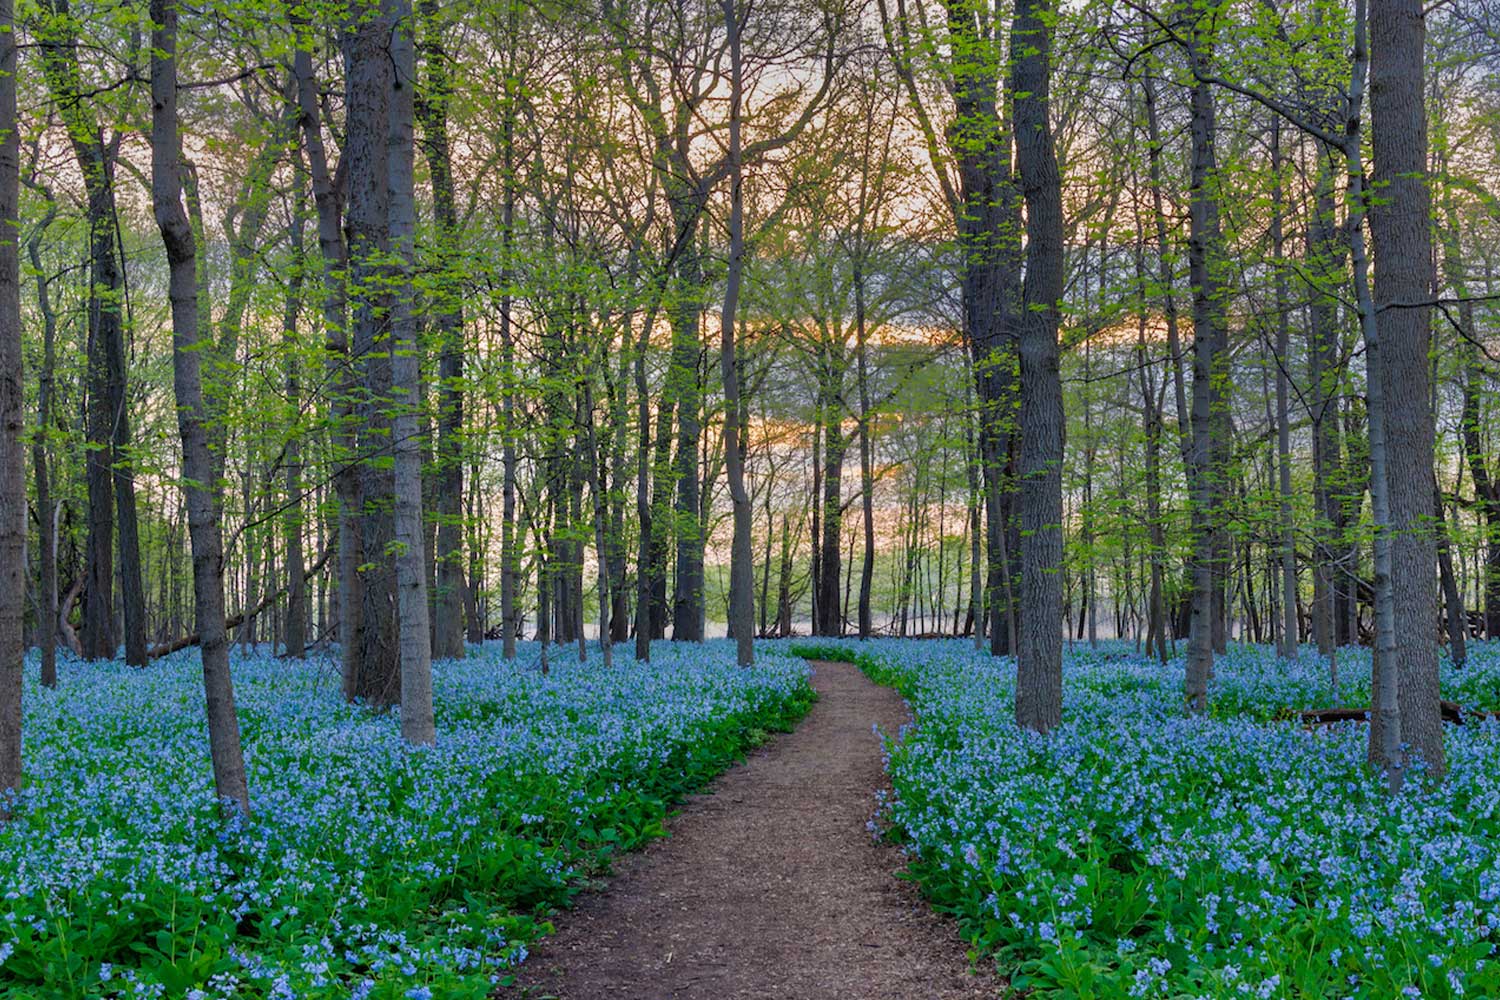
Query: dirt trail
[(769, 887)]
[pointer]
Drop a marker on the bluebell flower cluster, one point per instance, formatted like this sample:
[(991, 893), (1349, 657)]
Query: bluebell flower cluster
[(366, 868), (1139, 852)]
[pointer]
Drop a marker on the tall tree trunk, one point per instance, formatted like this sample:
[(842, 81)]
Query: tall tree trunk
[(1385, 746), (1283, 415), (1208, 366), (368, 87), (866, 458), (448, 611), (829, 620), (595, 476), (682, 396), (646, 562), (510, 557), (1325, 264), (12, 397), (41, 445), (108, 470), (415, 629), (1039, 659), (742, 556), (1400, 230), (1152, 402), (329, 187), (199, 485), (295, 632)]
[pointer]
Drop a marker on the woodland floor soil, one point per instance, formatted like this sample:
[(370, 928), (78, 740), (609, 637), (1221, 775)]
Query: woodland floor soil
[(770, 886)]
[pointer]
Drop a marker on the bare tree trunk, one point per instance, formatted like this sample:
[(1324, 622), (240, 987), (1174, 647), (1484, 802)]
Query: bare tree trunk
[(12, 399), (742, 556), (645, 593), (866, 458), (414, 626), (828, 620), (510, 559), (199, 490), (1152, 400), (683, 370), (295, 632), (41, 446), (448, 611), (1325, 264), (1385, 747), (110, 480), (1283, 419), (368, 86), (1039, 659), (601, 533), (1453, 603), (1203, 249), (1400, 229), (328, 196)]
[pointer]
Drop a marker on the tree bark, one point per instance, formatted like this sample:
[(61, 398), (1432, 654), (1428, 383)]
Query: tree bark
[(12, 455), (328, 196), (200, 488), (829, 620), (1289, 631), (448, 318), (742, 556), (1204, 246), (866, 457), (368, 87), (1325, 264), (1039, 659), (111, 489), (1453, 604), (41, 448), (1400, 230), (414, 626), (293, 525)]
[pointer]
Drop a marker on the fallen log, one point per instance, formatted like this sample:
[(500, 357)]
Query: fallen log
[(238, 618), (1330, 716)]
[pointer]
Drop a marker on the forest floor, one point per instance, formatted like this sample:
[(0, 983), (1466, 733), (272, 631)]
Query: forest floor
[(770, 886)]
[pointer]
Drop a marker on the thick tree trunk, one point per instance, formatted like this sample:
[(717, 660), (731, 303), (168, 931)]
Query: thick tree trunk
[(1208, 366), (368, 86), (1039, 659), (415, 628), (199, 486), (687, 580), (1385, 746), (1400, 229)]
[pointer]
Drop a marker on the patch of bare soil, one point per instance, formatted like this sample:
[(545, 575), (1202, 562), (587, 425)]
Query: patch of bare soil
[(770, 886)]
